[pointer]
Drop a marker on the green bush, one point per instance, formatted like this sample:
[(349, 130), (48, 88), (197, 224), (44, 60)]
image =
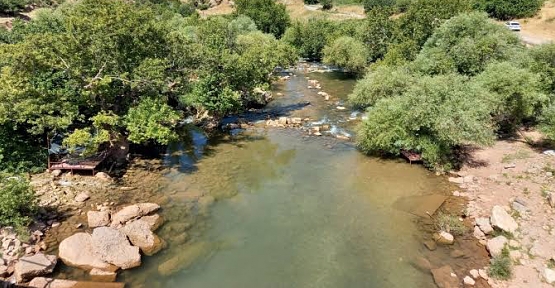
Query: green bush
[(501, 266), (377, 33), (509, 9), (269, 16), (12, 6), (450, 223), (373, 4), (346, 52), (17, 201), (310, 37), (543, 63), (547, 122)]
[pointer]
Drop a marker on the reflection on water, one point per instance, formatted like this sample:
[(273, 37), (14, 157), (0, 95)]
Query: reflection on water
[(291, 213)]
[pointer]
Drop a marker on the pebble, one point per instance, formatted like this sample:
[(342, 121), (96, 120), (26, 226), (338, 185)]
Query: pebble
[(469, 281), (474, 273), (483, 274)]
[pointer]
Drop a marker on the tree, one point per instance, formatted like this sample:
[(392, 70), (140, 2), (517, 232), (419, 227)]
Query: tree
[(269, 16), (432, 117), (12, 6), (311, 37), (547, 122), (370, 5), (543, 63), (17, 201), (346, 52), (377, 33), (509, 9)]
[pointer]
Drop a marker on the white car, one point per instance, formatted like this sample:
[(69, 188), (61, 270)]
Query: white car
[(513, 25)]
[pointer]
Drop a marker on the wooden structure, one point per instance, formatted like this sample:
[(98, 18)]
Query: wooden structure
[(60, 159), (411, 156)]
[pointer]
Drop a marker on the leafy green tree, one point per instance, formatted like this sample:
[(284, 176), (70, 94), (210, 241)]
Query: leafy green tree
[(466, 44), (269, 16), (346, 52), (381, 82), (377, 33), (543, 63), (509, 9), (547, 122), (311, 37), (12, 6), (17, 201), (432, 117), (151, 119), (370, 5)]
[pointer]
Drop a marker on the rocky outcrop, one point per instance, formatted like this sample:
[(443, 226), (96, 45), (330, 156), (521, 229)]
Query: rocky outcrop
[(98, 218), (140, 235), (112, 247), (502, 220), (31, 266), (77, 251), (41, 282), (132, 212), (444, 277)]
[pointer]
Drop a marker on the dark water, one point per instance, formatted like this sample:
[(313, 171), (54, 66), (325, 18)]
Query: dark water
[(291, 210)]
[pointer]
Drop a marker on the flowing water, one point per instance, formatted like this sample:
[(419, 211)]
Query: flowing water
[(291, 210)]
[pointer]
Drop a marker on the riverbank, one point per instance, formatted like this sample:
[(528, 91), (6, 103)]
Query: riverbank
[(514, 177)]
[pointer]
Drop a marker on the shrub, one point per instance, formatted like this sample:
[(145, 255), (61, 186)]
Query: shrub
[(509, 9), (501, 266), (373, 4), (346, 52), (543, 63), (12, 6), (450, 223), (326, 4), (17, 201), (547, 122), (311, 37), (377, 33), (269, 16)]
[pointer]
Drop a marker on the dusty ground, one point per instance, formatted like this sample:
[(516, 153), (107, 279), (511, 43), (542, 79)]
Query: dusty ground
[(540, 28), (509, 171)]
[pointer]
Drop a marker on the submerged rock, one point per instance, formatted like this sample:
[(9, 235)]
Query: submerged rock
[(103, 276), (502, 220), (444, 238), (154, 221), (140, 235), (113, 247), (77, 251), (41, 282), (133, 211), (184, 259), (444, 277), (31, 266)]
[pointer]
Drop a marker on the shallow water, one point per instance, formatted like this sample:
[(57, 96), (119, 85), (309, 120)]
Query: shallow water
[(291, 210)]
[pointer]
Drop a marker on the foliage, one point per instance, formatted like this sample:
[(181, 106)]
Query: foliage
[(12, 6), (381, 82), (450, 224), (501, 266), (370, 5), (509, 9), (326, 4), (346, 52), (311, 37), (547, 122), (17, 200), (269, 16), (377, 33), (543, 63), (434, 115), (20, 152), (466, 44), (151, 119), (241, 25)]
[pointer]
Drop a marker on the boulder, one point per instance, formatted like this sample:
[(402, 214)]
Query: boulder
[(184, 258), (56, 173), (478, 234), (41, 282), (484, 225), (140, 235), (98, 218), (549, 275), (502, 220), (102, 176), (154, 221), (456, 180), (103, 276), (468, 281), (133, 211), (77, 251), (113, 247), (444, 238), (82, 197), (431, 245), (496, 245), (422, 264), (474, 273), (444, 277), (29, 267)]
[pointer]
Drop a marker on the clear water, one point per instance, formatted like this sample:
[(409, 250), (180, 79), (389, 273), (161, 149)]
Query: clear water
[(290, 210)]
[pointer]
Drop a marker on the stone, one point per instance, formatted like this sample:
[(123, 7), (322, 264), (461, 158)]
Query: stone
[(184, 259), (456, 180), (515, 255), (483, 274), (549, 275), (444, 238), (77, 251), (113, 247), (296, 120), (456, 254), (444, 277), (422, 264), (82, 197), (56, 173), (154, 221), (282, 121), (484, 225), (474, 273), (140, 235), (478, 234), (510, 166), (468, 179), (98, 218), (103, 176), (551, 199), (431, 245), (496, 245), (502, 220), (29, 267), (41, 282), (468, 281), (340, 107), (4, 271), (549, 174), (519, 207), (103, 276), (133, 211)]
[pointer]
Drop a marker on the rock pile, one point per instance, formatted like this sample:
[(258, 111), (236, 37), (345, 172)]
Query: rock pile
[(115, 242)]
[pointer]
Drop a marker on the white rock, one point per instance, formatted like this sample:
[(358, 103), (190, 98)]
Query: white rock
[(549, 275), (113, 247), (77, 251), (483, 274), (444, 238), (496, 245), (457, 180), (474, 273), (484, 225), (29, 267), (478, 234), (515, 255), (82, 197), (98, 218), (502, 220), (468, 281), (102, 176)]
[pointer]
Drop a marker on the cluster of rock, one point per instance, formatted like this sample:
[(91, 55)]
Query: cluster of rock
[(314, 84), (116, 241), (286, 122)]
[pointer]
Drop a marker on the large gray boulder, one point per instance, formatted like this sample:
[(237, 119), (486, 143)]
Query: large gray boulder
[(112, 247), (140, 235), (29, 267), (502, 220), (77, 251), (132, 212)]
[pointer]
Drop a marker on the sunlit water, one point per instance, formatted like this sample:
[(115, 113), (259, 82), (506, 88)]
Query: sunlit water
[(290, 211)]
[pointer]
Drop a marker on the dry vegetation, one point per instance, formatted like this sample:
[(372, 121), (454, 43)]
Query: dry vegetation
[(541, 26)]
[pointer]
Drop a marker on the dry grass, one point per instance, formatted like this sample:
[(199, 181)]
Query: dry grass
[(542, 25)]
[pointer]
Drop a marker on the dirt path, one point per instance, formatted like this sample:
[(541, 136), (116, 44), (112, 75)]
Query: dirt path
[(518, 177)]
